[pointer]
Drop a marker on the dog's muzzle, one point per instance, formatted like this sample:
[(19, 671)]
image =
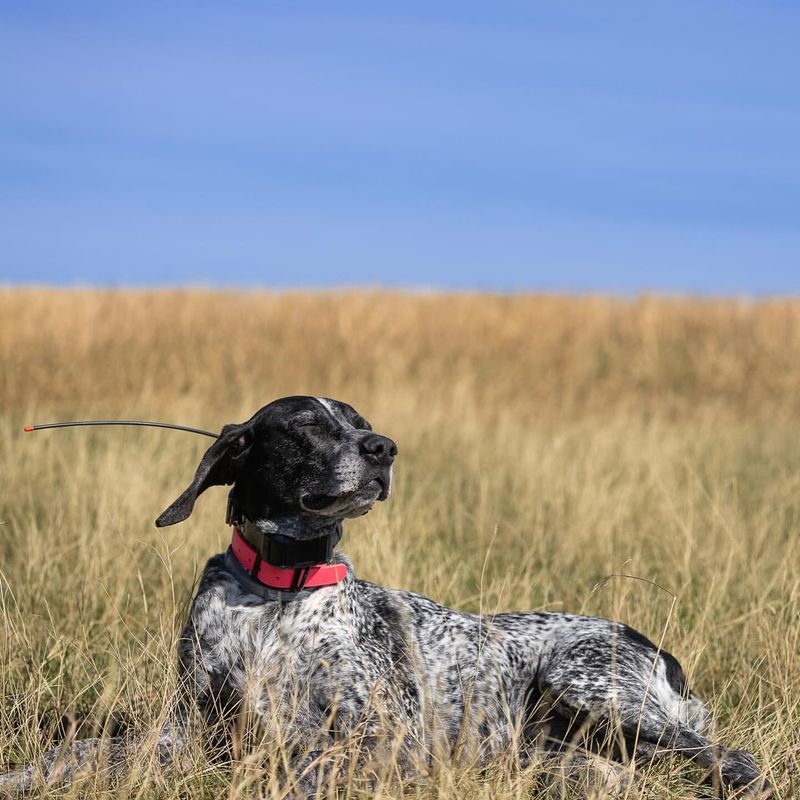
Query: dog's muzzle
[(371, 491)]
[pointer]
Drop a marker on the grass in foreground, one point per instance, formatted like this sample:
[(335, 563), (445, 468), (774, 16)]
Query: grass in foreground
[(636, 460)]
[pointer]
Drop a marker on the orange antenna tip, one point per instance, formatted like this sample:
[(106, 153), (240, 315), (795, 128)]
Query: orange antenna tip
[(28, 428)]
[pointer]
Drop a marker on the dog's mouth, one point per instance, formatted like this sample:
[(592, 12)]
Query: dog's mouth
[(355, 502), (384, 486)]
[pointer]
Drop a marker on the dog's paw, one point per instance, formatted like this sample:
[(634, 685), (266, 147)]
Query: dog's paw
[(741, 775)]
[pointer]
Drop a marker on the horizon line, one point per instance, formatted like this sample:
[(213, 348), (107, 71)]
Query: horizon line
[(411, 290)]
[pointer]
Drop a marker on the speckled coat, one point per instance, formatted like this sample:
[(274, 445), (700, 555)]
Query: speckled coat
[(394, 667)]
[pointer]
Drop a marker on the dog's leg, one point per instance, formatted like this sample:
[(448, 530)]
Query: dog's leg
[(650, 732), (62, 765), (655, 737), (736, 768), (617, 680)]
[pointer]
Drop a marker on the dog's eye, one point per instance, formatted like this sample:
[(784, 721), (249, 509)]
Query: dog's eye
[(308, 426)]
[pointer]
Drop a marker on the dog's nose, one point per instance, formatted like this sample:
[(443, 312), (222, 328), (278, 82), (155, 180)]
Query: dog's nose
[(380, 447)]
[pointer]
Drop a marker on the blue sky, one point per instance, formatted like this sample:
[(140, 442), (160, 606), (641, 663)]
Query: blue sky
[(569, 146)]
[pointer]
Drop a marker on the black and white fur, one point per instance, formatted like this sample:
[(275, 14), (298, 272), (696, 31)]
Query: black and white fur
[(406, 678)]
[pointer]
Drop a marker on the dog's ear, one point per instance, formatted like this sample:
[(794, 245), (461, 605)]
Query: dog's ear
[(219, 465)]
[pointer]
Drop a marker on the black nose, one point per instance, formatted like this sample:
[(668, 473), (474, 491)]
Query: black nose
[(382, 448)]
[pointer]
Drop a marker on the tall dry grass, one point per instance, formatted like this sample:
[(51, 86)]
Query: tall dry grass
[(550, 447)]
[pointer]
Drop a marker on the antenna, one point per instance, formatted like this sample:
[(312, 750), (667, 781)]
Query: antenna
[(139, 423)]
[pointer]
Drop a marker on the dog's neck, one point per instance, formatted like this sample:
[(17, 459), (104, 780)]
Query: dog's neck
[(307, 531), (278, 543), (285, 553), (292, 523), (300, 527)]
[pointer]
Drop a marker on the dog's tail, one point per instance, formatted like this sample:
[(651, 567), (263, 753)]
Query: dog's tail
[(68, 762)]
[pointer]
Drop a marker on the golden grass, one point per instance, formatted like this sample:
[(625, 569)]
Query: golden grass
[(549, 446)]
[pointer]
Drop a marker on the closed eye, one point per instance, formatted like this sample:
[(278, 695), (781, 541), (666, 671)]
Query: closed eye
[(308, 424), (309, 427)]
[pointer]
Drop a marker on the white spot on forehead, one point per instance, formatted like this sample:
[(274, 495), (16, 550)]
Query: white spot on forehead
[(326, 404), (333, 410)]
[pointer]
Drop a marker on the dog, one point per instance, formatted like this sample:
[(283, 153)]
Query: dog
[(282, 630)]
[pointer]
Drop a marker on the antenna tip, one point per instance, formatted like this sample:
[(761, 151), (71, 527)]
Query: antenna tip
[(28, 428)]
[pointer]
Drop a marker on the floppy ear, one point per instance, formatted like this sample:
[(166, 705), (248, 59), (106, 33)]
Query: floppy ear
[(219, 466)]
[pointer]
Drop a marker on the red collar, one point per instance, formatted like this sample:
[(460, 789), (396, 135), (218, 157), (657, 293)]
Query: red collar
[(292, 579)]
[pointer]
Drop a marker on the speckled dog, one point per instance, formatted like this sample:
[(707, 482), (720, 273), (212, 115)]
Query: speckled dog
[(281, 629)]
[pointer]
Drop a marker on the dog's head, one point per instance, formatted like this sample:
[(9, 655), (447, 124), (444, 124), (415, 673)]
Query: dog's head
[(297, 455)]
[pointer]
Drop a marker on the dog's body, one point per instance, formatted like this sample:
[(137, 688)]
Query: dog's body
[(393, 671)]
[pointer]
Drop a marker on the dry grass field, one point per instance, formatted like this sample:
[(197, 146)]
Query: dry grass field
[(553, 451)]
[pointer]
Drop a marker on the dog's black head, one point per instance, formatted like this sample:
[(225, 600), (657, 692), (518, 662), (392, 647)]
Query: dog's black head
[(297, 456)]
